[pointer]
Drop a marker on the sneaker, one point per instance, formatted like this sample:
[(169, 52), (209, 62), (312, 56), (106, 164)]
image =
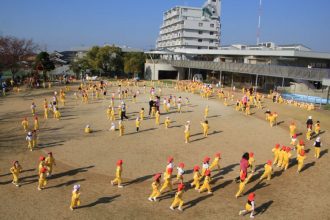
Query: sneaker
[(171, 208), (180, 209), (251, 216), (240, 213), (17, 185), (150, 199), (39, 189), (71, 208), (209, 192), (155, 199), (120, 186), (112, 183)]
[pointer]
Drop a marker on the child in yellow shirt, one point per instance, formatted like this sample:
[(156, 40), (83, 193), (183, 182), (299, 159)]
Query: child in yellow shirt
[(300, 158), (75, 198), (268, 171), (167, 122), (118, 179), (16, 169), (137, 124), (155, 188), (205, 126), (196, 178), (215, 162), (178, 198), (276, 151)]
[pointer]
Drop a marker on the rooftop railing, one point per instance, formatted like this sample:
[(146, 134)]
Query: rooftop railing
[(304, 73)]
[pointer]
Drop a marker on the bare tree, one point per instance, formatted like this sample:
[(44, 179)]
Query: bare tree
[(14, 52)]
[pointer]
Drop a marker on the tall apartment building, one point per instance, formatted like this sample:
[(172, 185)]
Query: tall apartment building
[(191, 28)]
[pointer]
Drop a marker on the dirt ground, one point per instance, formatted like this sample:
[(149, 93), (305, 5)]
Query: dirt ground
[(90, 161)]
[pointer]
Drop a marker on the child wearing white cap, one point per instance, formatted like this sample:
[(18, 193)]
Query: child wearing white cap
[(317, 147), (75, 199), (88, 129), (29, 139)]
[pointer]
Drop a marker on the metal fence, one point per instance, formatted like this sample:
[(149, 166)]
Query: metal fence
[(312, 74)]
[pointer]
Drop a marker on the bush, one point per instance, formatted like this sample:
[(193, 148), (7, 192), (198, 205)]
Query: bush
[(326, 107)]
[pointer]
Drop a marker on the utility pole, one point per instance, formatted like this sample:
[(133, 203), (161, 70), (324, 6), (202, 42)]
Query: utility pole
[(259, 22)]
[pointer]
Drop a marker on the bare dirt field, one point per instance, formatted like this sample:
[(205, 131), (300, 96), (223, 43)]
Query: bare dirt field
[(90, 160)]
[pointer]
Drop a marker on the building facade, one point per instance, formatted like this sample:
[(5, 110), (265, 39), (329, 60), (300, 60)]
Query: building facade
[(191, 28)]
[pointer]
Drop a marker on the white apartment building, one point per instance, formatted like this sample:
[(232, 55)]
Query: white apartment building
[(191, 28)]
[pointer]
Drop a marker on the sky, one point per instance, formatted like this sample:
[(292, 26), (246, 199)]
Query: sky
[(65, 24)]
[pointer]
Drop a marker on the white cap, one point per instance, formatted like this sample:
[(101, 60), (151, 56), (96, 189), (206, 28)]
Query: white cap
[(87, 126), (29, 133), (318, 139), (76, 187), (188, 122), (309, 117)]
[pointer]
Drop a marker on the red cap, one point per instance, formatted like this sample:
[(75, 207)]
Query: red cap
[(196, 168), (25, 118), (288, 149), (295, 136), (36, 117), (269, 162), (207, 173), (169, 170), (181, 165), (302, 153), (251, 196), (218, 154), (301, 142), (170, 159), (180, 187), (43, 170), (119, 162), (16, 161), (277, 146), (41, 158), (251, 154), (206, 159), (283, 147), (157, 176), (292, 123)]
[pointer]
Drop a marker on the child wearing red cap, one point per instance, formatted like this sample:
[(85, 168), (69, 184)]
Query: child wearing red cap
[(36, 123), (286, 158), (205, 126), (206, 183), (244, 179), (170, 163), (75, 198), (268, 171), (205, 165), (216, 162), (280, 156), (167, 180), (179, 176), (276, 151), (155, 185), (25, 124), (16, 169), (178, 198), (42, 178), (119, 170), (252, 162), (42, 164), (300, 146), (197, 177), (300, 158), (50, 162), (249, 206)]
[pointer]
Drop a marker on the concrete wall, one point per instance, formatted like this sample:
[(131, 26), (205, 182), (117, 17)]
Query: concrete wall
[(151, 71)]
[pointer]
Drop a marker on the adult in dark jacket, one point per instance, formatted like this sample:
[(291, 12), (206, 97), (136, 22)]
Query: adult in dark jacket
[(309, 122)]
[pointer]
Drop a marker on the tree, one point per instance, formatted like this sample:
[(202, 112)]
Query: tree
[(14, 51), (44, 63), (134, 62)]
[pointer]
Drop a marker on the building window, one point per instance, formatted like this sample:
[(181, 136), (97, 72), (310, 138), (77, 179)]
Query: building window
[(200, 32), (199, 48), (200, 40), (211, 32), (200, 24), (211, 41), (212, 25), (185, 9)]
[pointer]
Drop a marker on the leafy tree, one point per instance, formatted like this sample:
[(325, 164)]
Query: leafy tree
[(14, 52), (134, 62), (44, 63)]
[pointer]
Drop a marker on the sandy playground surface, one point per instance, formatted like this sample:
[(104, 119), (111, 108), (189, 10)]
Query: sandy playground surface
[(90, 159)]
